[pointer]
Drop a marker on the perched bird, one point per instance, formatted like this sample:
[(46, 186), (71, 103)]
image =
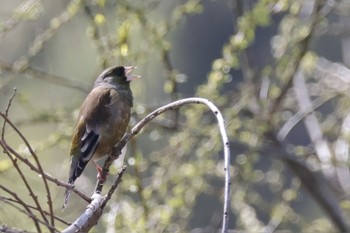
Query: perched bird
[(103, 120)]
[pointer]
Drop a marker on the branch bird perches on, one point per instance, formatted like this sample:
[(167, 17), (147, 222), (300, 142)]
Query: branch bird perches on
[(89, 218)]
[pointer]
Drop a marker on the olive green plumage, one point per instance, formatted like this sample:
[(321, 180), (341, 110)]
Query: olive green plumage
[(103, 120)]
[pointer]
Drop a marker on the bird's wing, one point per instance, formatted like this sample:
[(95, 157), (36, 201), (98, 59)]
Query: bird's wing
[(87, 145), (87, 135)]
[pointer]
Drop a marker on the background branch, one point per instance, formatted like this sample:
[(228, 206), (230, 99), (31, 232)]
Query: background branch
[(300, 50), (313, 181), (42, 75)]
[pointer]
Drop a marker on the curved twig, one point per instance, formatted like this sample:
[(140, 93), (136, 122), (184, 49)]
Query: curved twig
[(301, 114), (174, 105)]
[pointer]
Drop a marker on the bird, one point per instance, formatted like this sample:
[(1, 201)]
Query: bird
[(102, 122)]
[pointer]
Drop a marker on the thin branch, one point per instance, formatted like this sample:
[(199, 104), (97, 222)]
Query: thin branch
[(7, 111), (138, 177), (294, 64), (34, 168), (49, 199), (8, 25), (27, 185), (35, 73), (47, 175), (323, 150), (174, 95), (174, 105), (164, 52), (15, 164), (6, 229), (27, 7), (94, 210), (114, 186), (7, 199), (246, 60), (313, 181), (44, 37), (98, 36), (341, 150), (301, 114), (20, 201)]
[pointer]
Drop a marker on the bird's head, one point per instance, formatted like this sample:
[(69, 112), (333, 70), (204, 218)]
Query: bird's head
[(117, 75)]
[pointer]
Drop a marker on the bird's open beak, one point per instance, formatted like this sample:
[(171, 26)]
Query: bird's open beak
[(130, 77)]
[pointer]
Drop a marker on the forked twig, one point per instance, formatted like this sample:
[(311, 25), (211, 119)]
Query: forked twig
[(94, 210), (14, 162), (47, 175), (21, 202), (25, 160), (7, 112), (114, 186), (13, 202), (41, 171)]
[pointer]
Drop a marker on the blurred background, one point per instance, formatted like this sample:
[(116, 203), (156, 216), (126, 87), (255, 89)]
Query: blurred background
[(277, 69)]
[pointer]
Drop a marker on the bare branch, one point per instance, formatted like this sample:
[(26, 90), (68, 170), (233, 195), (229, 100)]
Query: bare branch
[(27, 185), (89, 218), (301, 114), (94, 210), (41, 171), (33, 167), (6, 200), (6, 229), (314, 182), (313, 127), (114, 186), (6, 112), (293, 65), (35, 73), (323, 150), (98, 36), (170, 73), (20, 201), (342, 155), (10, 200), (14, 162)]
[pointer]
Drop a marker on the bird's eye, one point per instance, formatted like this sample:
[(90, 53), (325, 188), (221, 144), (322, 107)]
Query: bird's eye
[(120, 71)]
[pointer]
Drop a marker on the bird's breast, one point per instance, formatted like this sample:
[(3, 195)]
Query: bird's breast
[(112, 132)]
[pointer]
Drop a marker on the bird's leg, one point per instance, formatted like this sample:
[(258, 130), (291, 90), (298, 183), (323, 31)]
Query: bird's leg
[(99, 172)]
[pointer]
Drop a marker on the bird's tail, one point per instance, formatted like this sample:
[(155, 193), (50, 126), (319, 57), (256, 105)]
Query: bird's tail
[(66, 196)]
